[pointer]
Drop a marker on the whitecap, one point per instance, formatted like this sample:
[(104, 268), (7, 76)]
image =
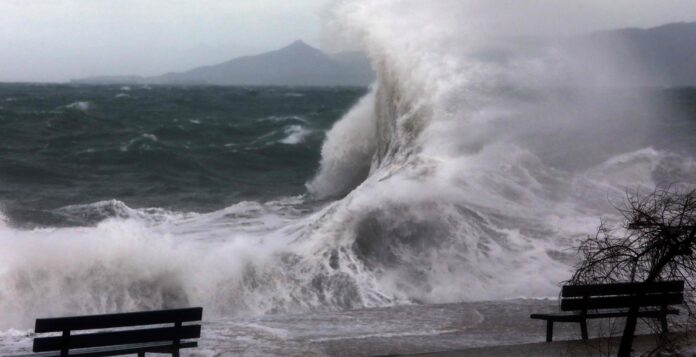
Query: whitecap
[(296, 134), (151, 137), (144, 137), (282, 118), (82, 106)]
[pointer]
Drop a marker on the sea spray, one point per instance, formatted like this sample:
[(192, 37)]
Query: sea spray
[(348, 150), (470, 194), (142, 260)]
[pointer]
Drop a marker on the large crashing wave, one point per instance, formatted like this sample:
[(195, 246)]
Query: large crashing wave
[(465, 174), (492, 153)]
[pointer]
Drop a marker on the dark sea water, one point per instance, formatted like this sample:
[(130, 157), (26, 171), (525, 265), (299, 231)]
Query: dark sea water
[(188, 148), (180, 148)]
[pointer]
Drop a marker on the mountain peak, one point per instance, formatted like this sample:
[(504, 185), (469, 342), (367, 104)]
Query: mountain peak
[(300, 45), (296, 64)]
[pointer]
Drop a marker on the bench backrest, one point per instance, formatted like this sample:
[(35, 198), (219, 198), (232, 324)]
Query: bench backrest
[(67, 341), (621, 295)]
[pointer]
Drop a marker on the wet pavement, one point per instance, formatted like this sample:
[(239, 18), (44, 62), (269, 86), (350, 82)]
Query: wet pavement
[(395, 330)]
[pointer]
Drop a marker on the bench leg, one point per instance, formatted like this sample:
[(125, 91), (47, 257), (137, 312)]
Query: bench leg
[(175, 353), (549, 330), (141, 354), (663, 322), (583, 329)]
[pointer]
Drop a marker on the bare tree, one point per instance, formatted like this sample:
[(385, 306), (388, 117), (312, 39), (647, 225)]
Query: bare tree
[(654, 242)]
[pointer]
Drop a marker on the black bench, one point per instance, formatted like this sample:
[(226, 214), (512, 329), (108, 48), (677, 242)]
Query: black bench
[(155, 339), (614, 300)]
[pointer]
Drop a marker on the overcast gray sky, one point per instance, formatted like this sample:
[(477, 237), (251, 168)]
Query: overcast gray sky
[(55, 40)]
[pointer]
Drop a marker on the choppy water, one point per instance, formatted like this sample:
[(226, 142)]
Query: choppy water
[(189, 149), (464, 174)]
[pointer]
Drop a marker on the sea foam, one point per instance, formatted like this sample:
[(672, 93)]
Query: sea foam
[(82, 106), (296, 134)]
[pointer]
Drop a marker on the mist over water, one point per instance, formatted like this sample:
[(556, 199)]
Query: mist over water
[(465, 173), (493, 153)]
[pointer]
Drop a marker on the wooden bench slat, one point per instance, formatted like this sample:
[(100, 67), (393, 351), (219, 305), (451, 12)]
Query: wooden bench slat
[(572, 317), (648, 313), (109, 338), (557, 317), (165, 347), (614, 302), (622, 288), (118, 320)]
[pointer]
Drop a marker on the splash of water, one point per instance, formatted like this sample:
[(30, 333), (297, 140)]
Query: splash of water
[(492, 153)]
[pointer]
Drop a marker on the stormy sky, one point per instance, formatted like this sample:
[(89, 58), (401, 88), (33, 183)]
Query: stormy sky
[(55, 40)]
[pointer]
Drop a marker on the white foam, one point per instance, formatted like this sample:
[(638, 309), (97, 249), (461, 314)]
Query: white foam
[(465, 198), (145, 137), (82, 106), (151, 137), (282, 118), (142, 259), (16, 333), (296, 134), (347, 153)]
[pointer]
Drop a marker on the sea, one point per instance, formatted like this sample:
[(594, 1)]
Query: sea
[(466, 173), (76, 155)]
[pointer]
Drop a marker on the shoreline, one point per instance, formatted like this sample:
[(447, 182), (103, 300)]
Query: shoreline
[(602, 346), (501, 328)]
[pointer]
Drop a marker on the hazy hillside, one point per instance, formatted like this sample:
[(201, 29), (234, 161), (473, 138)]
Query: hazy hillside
[(295, 65), (664, 56), (667, 54)]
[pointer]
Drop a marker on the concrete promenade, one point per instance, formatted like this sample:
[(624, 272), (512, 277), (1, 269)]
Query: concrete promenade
[(489, 328)]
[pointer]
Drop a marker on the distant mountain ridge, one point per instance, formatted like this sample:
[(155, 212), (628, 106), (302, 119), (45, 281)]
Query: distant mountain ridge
[(297, 64), (666, 54)]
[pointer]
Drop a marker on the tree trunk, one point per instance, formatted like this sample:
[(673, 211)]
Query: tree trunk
[(632, 318), (629, 331)]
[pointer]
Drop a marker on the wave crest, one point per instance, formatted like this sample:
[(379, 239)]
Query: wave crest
[(348, 151)]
